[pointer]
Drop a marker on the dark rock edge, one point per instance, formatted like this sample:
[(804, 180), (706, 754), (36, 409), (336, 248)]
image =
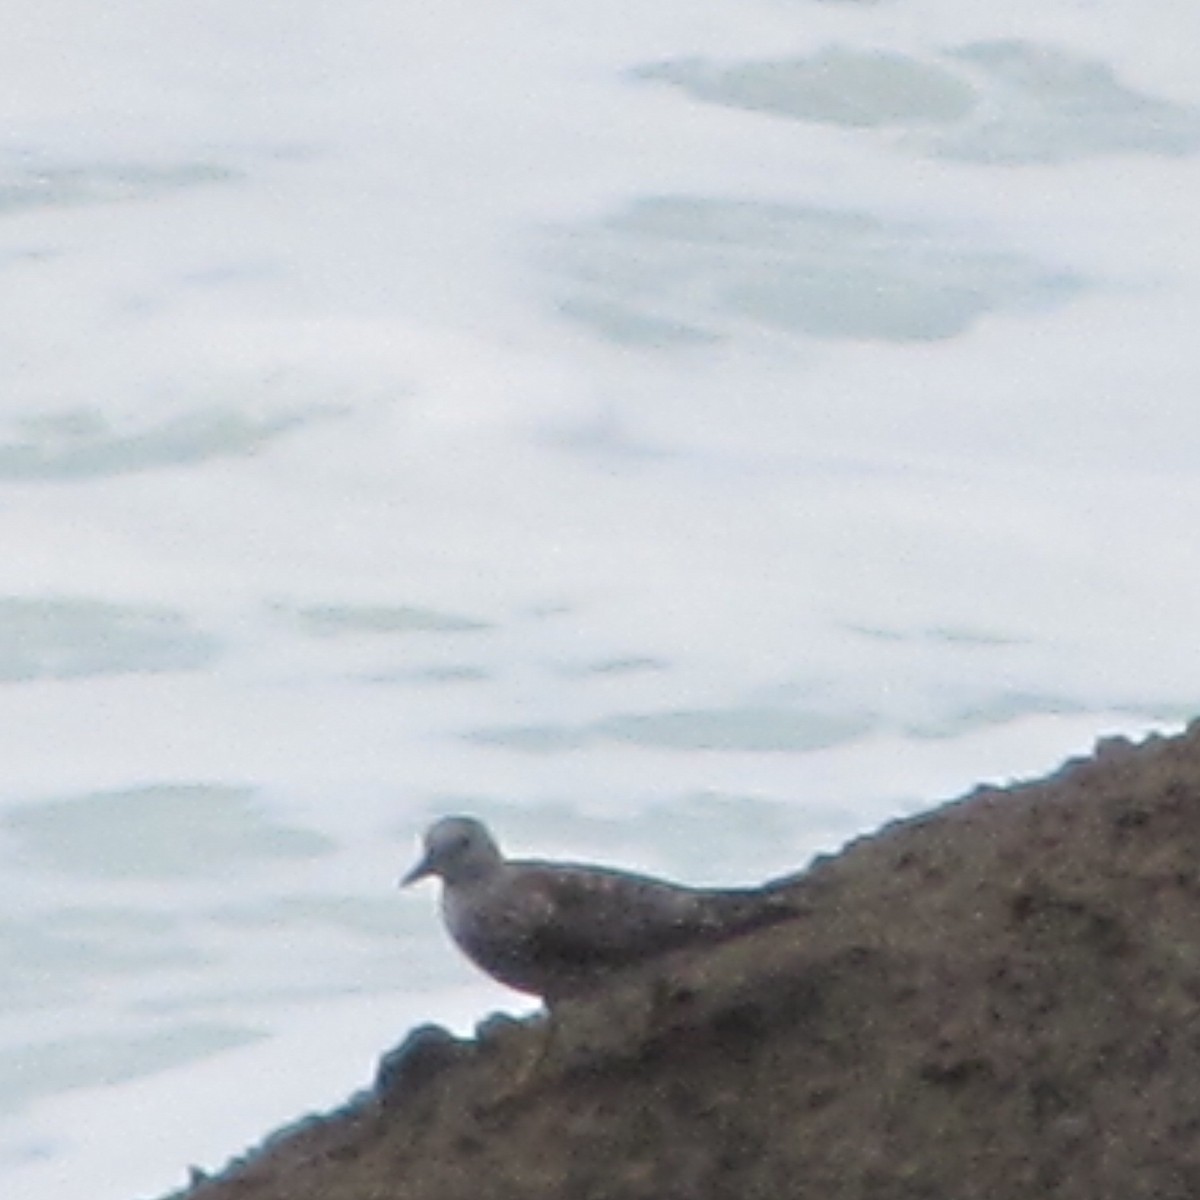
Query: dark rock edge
[(997, 999)]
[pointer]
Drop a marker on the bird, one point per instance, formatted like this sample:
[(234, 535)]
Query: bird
[(561, 930)]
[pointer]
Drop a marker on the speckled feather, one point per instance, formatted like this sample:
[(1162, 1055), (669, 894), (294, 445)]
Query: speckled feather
[(559, 930)]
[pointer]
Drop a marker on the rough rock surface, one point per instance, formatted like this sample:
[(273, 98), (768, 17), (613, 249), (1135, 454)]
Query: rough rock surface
[(999, 999)]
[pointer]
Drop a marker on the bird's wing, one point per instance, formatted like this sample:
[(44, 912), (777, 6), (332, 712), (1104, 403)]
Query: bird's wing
[(599, 918)]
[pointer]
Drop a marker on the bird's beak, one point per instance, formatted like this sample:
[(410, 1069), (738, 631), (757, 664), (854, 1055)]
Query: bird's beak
[(420, 871)]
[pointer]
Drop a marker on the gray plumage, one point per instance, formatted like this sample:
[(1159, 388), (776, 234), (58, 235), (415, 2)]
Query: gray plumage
[(559, 930)]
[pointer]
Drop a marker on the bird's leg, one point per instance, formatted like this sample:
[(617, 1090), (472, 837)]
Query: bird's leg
[(525, 1045)]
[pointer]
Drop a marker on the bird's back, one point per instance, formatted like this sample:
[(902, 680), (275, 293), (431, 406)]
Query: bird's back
[(559, 929)]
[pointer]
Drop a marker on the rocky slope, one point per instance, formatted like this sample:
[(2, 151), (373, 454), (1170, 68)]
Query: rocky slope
[(999, 999)]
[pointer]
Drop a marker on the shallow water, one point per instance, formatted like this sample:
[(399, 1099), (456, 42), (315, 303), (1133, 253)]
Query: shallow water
[(685, 437)]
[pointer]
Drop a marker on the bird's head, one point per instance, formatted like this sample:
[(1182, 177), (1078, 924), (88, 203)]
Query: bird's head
[(458, 849)]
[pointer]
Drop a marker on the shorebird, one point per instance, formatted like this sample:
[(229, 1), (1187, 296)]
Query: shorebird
[(560, 930)]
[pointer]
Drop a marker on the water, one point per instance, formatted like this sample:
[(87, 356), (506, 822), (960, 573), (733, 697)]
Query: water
[(686, 436)]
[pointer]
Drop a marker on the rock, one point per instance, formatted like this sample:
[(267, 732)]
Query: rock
[(996, 1000)]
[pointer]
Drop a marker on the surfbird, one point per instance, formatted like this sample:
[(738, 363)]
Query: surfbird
[(560, 930)]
